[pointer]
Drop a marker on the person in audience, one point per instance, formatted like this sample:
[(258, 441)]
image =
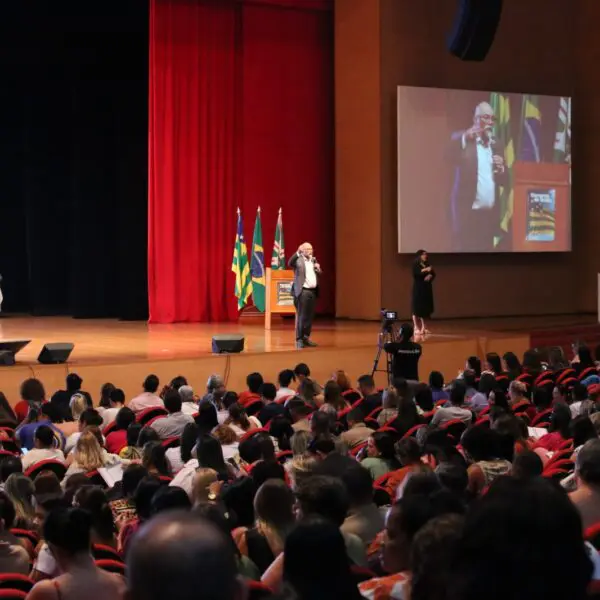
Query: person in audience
[(408, 453), (33, 396), (284, 380), (456, 410), (327, 573), (407, 418), (556, 359), (210, 456), (532, 530), (271, 409), (511, 365), (116, 401), (94, 501), (105, 391), (116, 440), (169, 498), (181, 556), (381, 457), (207, 418), (587, 475), (123, 507), (436, 384), (470, 381), (423, 398), (581, 430), (46, 486), (14, 557), (240, 422), (148, 398), (480, 400), (483, 447), (215, 390), (8, 466), (583, 358), (358, 432), (180, 455), (62, 398), (333, 396), (84, 417), (390, 401), (281, 432), (473, 363), (493, 363), (26, 430), (364, 518), (517, 393), (154, 460), (432, 555), (131, 451), (20, 490), (558, 432), (89, 455), (189, 405), (229, 442), (527, 465), (581, 404), (516, 429), (406, 518), (254, 382), (371, 397), (67, 532), (43, 449), (205, 485), (172, 425), (310, 392), (299, 412), (274, 510), (302, 372)]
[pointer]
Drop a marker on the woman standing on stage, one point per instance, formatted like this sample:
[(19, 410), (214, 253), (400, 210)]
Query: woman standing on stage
[(422, 292)]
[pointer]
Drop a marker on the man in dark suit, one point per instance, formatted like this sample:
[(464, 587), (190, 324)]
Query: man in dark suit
[(479, 170), (305, 289)]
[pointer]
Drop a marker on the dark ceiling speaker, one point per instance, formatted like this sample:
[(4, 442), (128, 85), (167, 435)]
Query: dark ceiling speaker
[(56, 353), (474, 28), (227, 344), (8, 349)]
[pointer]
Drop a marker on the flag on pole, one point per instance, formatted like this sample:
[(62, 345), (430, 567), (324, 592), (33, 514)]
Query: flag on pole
[(278, 255), (531, 128), (501, 106), (243, 282), (257, 265), (562, 142)]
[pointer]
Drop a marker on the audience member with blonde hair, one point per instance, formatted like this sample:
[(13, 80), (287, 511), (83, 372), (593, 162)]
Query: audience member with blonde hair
[(202, 490), (20, 490)]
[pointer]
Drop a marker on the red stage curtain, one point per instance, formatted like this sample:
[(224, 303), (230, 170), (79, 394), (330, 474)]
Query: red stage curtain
[(241, 113)]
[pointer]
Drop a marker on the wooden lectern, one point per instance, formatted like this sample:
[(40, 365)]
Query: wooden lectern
[(280, 299), (532, 178)]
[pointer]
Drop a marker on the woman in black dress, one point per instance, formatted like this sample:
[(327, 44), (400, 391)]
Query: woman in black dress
[(422, 293)]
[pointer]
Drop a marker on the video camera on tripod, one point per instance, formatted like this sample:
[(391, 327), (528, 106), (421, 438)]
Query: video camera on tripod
[(387, 333)]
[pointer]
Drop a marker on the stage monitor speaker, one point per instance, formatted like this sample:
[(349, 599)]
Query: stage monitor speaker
[(56, 353), (7, 358), (8, 349), (474, 28), (227, 344)]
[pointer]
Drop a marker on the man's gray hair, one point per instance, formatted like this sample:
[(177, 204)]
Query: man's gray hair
[(214, 381), (587, 465), (186, 392)]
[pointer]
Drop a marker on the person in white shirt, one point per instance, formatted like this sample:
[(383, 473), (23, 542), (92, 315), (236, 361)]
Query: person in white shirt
[(148, 398), (173, 424), (43, 448), (305, 290), (189, 406), (117, 402), (284, 379)]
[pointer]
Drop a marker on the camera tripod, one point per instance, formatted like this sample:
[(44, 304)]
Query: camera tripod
[(387, 334)]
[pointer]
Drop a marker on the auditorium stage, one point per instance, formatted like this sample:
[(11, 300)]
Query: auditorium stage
[(125, 352)]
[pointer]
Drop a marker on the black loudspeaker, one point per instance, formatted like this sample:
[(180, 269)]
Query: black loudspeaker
[(55, 354), (227, 344), (474, 28), (7, 358)]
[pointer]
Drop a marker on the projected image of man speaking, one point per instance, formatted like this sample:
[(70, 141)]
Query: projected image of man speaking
[(479, 170)]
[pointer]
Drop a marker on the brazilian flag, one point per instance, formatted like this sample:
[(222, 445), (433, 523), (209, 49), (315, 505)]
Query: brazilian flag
[(501, 106), (257, 266), (243, 282)]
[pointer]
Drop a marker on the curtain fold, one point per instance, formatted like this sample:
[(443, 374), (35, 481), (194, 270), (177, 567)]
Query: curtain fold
[(241, 114)]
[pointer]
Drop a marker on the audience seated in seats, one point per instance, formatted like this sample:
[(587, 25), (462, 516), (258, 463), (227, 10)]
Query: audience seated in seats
[(8, 466), (581, 430), (123, 505), (436, 384), (148, 398), (182, 556), (274, 512), (511, 365), (154, 460), (364, 519), (299, 412), (532, 530), (558, 432), (423, 398), (89, 454), (105, 392), (561, 394), (493, 364), (240, 422), (581, 404), (229, 442), (254, 382), (302, 372), (470, 380), (67, 532), (357, 432), (168, 499), (407, 517), (371, 396), (281, 432), (456, 410), (407, 417), (20, 490), (515, 428), (205, 486), (44, 448), (229, 399), (517, 394), (207, 418), (33, 396), (381, 454), (132, 451), (408, 452), (301, 463), (586, 497), (271, 409), (14, 557), (180, 455), (556, 359), (583, 358), (116, 401), (116, 440), (480, 400), (285, 379), (172, 425), (189, 405), (389, 403), (94, 501), (62, 398), (484, 447), (26, 430), (473, 363), (527, 465), (84, 417)]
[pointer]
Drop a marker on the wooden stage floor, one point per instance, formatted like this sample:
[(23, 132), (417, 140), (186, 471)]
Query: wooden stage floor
[(125, 352)]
